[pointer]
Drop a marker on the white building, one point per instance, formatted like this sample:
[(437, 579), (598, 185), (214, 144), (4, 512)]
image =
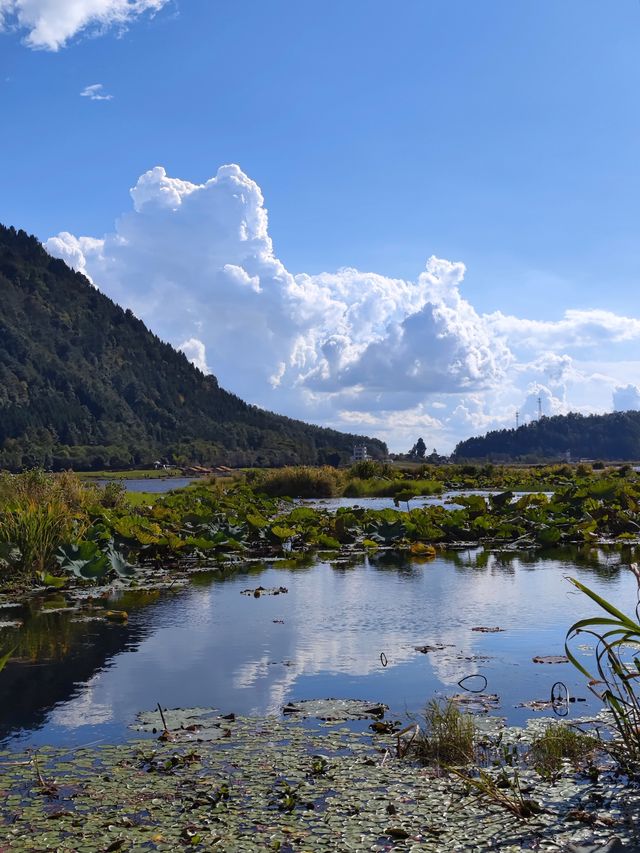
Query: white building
[(359, 453)]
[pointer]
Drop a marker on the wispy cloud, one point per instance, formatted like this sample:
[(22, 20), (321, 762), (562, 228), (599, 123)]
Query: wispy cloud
[(96, 93)]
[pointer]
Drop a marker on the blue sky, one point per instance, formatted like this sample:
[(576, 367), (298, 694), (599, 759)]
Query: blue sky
[(501, 135)]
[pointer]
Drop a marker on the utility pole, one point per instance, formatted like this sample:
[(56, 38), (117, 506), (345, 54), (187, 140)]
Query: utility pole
[(517, 418), (539, 408)]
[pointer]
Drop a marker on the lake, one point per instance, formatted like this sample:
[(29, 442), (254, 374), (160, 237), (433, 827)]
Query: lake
[(207, 644), (445, 499), (155, 485)]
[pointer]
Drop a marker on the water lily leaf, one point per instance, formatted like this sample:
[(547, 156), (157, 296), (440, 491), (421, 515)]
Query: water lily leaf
[(185, 724), (550, 659), (336, 710)]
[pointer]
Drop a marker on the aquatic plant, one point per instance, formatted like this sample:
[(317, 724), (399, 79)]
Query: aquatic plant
[(503, 790), (617, 668), (448, 735), (560, 742), (36, 530), (301, 481)]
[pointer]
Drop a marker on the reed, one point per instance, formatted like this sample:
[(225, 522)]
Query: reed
[(302, 482), (39, 512)]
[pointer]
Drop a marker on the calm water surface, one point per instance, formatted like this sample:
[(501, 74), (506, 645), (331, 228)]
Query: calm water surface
[(209, 645), (156, 485), (446, 498)]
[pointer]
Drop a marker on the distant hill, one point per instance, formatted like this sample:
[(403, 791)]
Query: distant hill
[(85, 384), (614, 436)]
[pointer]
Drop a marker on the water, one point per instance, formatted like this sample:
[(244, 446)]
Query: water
[(446, 498), (151, 484), (209, 645)]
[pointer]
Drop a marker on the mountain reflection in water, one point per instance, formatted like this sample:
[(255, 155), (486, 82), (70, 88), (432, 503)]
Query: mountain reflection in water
[(208, 645)]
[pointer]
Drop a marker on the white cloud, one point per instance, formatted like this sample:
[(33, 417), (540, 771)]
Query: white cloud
[(195, 351), (49, 24), (72, 250), (95, 92), (626, 398), (577, 328), (541, 400), (351, 349)]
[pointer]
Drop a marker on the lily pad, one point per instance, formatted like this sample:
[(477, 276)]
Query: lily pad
[(536, 704), (437, 647), (200, 724), (261, 590), (477, 703), (336, 710), (550, 659)]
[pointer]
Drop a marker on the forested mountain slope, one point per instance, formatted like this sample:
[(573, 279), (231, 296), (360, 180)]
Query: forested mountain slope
[(614, 436), (85, 384)]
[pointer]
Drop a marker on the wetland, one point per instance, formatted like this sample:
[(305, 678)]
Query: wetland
[(262, 617)]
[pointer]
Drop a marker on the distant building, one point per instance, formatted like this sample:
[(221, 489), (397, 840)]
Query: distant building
[(360, 453)]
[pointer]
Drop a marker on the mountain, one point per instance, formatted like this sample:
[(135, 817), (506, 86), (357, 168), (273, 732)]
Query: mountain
[(85, 384), (614, 436)]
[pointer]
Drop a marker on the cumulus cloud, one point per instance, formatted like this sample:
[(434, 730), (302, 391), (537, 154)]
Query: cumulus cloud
[(353, 349), (577, 328), (197, 263), (541, 400), (95, 92), (626, 398), (50, 24), (195, 351)]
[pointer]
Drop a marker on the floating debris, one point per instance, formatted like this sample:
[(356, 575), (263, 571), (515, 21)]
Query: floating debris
[(483, 630), (475, 683)]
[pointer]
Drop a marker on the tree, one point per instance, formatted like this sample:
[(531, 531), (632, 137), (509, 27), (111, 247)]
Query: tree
[(419, 449)]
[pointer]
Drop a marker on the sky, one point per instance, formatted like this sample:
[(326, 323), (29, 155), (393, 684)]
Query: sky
[(404, 219)]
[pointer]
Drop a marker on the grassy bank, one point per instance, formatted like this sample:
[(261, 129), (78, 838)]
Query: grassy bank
[(139, 474)]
